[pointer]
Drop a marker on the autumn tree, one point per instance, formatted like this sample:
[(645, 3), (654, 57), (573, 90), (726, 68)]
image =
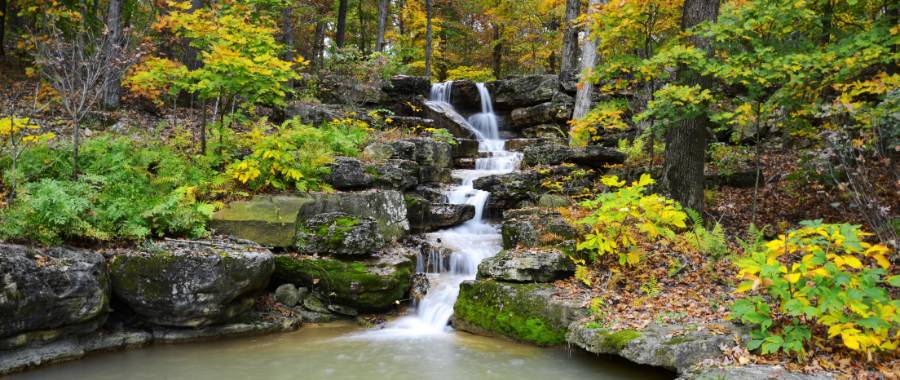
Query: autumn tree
[(570, 38)]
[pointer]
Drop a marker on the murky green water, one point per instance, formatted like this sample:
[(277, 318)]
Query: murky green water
[(338, 352)]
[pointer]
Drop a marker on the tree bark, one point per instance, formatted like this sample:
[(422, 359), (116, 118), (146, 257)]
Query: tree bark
[(686, 143), (363, 35), (287, 32), (113, 83), (341, 24), (190, 53), (428, 49), (2, 27), (588, 61), (570, 38), (319, 48), (382, 24)]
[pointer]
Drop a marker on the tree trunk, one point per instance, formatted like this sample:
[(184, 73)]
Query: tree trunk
[(319, 48), (382, 24), (428, 49), (287, 32), (588, 61), (686, 143), (113, 83), (190, 53), (341, 24), (497, 53), (570, 38), (2, 27), (363, 35)]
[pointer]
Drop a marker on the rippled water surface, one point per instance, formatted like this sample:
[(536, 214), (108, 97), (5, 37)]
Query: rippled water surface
[(344, 352)]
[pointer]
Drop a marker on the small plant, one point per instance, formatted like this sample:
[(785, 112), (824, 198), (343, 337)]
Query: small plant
[(623, 219), (604, 116), (727, 160), (471, 73), (651, 287), (710, 242), (441, 134), (819, 275)]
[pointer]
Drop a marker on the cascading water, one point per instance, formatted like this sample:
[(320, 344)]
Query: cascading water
[(470, 242)]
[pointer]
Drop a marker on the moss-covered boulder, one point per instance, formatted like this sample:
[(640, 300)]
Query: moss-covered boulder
[(426, 216), (45, 293), (535, 227), (339, 234), (527, 265), (523, 312), (270, 220), (386, 207), (191, 283), (373, 284)]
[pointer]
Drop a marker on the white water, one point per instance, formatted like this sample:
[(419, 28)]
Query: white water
[(470, 242)]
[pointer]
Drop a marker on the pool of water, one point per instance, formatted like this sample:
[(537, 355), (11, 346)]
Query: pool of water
[(346, 352)]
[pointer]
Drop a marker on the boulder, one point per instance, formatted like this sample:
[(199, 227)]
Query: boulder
[(419, 288), (554, 201), (314, 113), (465, 148), (45, 293), (425, 216), (269, 220), (524, 312), (510, 190), (446, 117), (523, 91), (404, 86), (338, 234), (549, 133), (424, 151), (593, 156), (348, 174), (675, 347), (557, 111), (386, 207), (396, 174), (535, 227), (191, 283), (288, 295), (527, 265), (373, 284), (341, 89), (464, 95)]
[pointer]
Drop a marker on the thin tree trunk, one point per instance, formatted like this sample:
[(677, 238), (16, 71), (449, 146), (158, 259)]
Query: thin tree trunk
[(428, 49), (382, 24), (203, 128), (319, 48), (363, 35), (686, 143), (190, 53), (341, 24), (113, 83), (570, 37), (588, 61), (287, 32), (497, 52), (2, 27)]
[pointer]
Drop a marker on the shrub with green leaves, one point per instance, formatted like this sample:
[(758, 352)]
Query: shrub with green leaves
[(820, 276)]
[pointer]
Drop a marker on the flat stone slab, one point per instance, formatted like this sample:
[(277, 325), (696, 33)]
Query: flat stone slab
[(269, 220)]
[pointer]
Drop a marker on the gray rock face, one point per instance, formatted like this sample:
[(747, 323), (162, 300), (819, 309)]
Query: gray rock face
[(446, 117), (523, 91), (425, 216), (534, 227), (287, 294), (386, 207), (191, 284), (348, 174), (396, 174), (551, 133), (555, 112), (465, 148), (404, 86), (592, 156), (339, 234), (528, 265), (270, 220), (424, 151), (47, 289), (314, 113), (509, 190), (464, 95), (676, 347)]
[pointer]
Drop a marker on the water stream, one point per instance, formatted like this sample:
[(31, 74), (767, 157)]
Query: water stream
[(470, 242)]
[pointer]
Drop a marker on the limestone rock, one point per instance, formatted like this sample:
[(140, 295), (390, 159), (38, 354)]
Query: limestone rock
[(527, 265), (348, 174), (386, 207), (314, 113), (511, 189), (446, 117), (425, 216), (270, 220), (191, 283), (396, 174), (50, 289), (592, 156), (287, 295), (534, 227), (339, 234), (404, 86), (523, 91)]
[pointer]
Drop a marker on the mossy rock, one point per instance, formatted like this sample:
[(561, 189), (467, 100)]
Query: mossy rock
[(270, 220), (339, 234), (523, 312), (374, 284)]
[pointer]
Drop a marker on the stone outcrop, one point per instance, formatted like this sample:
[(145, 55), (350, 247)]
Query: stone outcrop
[(523, 312), (46, 293), (339, 234), (527, 265), (348, 174), (376, 283), (314, 113), (593, 156), (446, 117), (523, 91), (425, 216), (510, 190), (386, 207), (403, 87), (191, 283), (534, 227)]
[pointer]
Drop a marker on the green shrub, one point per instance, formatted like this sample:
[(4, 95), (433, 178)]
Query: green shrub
[(49, 211)]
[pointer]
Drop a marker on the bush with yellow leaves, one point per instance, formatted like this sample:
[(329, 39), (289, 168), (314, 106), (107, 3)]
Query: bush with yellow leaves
[(620, 219), (819, 277)]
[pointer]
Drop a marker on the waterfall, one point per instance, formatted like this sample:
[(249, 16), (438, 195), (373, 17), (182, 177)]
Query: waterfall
[(470, 242)]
